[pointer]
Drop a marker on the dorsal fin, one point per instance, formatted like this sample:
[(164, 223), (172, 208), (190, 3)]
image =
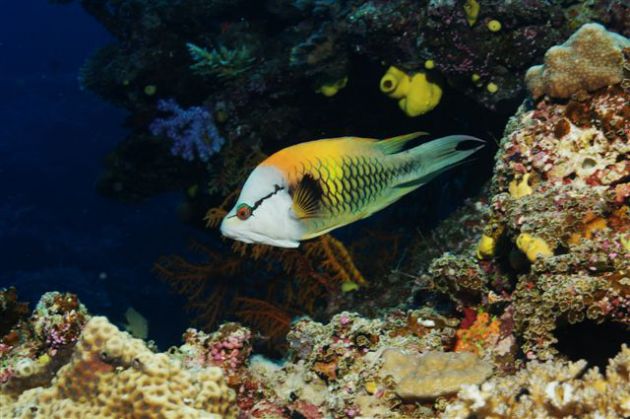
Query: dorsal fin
[(396, 144), (307, 197)]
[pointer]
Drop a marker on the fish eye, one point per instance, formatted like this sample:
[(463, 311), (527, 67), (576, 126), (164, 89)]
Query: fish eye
[(243, 212)]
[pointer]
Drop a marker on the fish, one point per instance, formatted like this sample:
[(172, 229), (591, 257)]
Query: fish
[(311, 188)]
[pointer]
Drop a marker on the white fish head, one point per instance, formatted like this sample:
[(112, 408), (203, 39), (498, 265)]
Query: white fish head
[(263, 212)]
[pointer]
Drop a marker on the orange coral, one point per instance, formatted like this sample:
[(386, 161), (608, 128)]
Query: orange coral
[(336, 259), (483, 333), (205, 284), (271, 320), (300, 278), (618, 220), (324, 259)]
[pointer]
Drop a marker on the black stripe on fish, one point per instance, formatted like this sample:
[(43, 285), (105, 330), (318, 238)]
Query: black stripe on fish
[(277, 188)]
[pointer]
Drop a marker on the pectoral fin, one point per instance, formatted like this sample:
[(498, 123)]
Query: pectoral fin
[(307, 197)]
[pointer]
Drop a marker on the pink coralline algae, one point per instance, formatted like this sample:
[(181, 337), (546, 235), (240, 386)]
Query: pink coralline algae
[(227, 348), (58, 319), (36, 346), (580, 143)]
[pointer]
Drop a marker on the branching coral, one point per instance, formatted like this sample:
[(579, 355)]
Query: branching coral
[(205, 284), (552, 390), (296, 279), (272, 320), (325, 260), (192, 131)]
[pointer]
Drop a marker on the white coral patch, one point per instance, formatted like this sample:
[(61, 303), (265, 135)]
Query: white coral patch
[(473, 394), (559, 395)]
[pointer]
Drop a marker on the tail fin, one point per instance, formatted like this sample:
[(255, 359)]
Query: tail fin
[(439, 155)]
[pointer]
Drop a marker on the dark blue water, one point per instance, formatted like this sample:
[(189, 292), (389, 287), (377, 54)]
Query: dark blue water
[(56, 232)]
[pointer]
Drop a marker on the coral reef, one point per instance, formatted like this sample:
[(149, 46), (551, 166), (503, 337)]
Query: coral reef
[(11, 309), (481, 301), (111, 374), (572, 221), (553, 252), (333, 369), (399, 365), (228, 348), (35, 347), (474, 337), (222, 63), (554, 389), (142, 166)]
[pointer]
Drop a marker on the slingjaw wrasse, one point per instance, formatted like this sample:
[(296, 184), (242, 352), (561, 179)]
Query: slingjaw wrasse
[(311, 188)]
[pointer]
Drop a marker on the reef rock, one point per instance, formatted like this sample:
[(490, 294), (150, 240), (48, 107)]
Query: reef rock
[(35, 347), (555, 389)]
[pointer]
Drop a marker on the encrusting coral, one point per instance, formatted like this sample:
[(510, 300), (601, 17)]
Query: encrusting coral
[(554, 389), (571, 223), (590, 59), (332, 370), (112, 374), (432, 374), (228, 348)]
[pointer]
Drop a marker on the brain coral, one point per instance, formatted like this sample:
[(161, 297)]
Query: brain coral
[(112, 375), (550, 390), (590, 59)]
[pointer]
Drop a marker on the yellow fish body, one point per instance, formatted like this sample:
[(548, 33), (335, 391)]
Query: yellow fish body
[(311, 188)]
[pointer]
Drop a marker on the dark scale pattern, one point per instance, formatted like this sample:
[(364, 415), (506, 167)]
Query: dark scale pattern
[(362, 180)]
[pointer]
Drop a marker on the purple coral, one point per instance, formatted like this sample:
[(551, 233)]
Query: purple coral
[(192, 130)]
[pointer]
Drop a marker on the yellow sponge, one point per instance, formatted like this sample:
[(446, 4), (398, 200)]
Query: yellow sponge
[(520, 189), (331, 89), (533, 247), (416, 94), (486, 247)]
